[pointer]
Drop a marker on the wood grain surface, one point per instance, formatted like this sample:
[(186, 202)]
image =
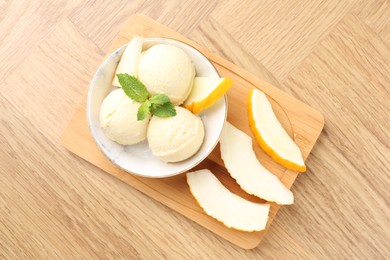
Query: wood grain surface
[(303, 123), (333, 55)]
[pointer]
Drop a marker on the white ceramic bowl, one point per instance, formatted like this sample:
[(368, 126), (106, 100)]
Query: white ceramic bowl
[(138, 159)]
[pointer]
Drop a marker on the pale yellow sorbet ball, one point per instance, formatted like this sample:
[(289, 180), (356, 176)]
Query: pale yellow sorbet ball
[(167, 69), (118, 118), (176, 138)]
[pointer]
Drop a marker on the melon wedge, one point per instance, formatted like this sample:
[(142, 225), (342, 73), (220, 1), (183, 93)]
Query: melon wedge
[(129, 60), (226, 207), (205, 92), (270, 134), (242, 164)]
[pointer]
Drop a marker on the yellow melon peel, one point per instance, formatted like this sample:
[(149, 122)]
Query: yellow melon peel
[(196, 106), (267, 149)]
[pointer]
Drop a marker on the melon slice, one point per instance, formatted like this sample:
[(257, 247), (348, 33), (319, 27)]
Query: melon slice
[(270, 134), (242, 164), (228, 208), (129, 60), (205, 92)]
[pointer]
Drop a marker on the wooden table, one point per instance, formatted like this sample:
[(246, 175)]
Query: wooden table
[(333, 55)]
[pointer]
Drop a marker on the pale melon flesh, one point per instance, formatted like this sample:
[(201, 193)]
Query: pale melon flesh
[(242, 164), (129, 60), (205, 92), (218, 202), (272, 132)]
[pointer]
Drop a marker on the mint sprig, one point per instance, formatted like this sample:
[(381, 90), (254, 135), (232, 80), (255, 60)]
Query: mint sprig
[(159, 99), (143, 111), (133, 87), (163, 110), (158, 105)]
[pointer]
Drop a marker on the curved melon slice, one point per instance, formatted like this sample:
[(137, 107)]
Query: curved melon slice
[(205, 92), (242, 164), (228, 208), (270, 134), (129, 60)]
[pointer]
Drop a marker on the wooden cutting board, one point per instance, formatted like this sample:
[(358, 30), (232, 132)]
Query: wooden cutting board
[(301, 121)]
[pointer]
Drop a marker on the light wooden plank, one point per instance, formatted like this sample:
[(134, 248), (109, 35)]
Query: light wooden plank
[(102, 20), (23, 25), (280, 34), (376, 13), (180, 15), (347, 77), (54, 74), (213, 36)]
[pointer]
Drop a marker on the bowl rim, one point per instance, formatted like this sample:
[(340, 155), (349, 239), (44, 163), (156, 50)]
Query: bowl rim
[(89, 119)]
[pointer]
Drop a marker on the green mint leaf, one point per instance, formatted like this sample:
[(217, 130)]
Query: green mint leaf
[(143, 111), (148, 103), (159, 99), (133, 87), (164, 110)]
